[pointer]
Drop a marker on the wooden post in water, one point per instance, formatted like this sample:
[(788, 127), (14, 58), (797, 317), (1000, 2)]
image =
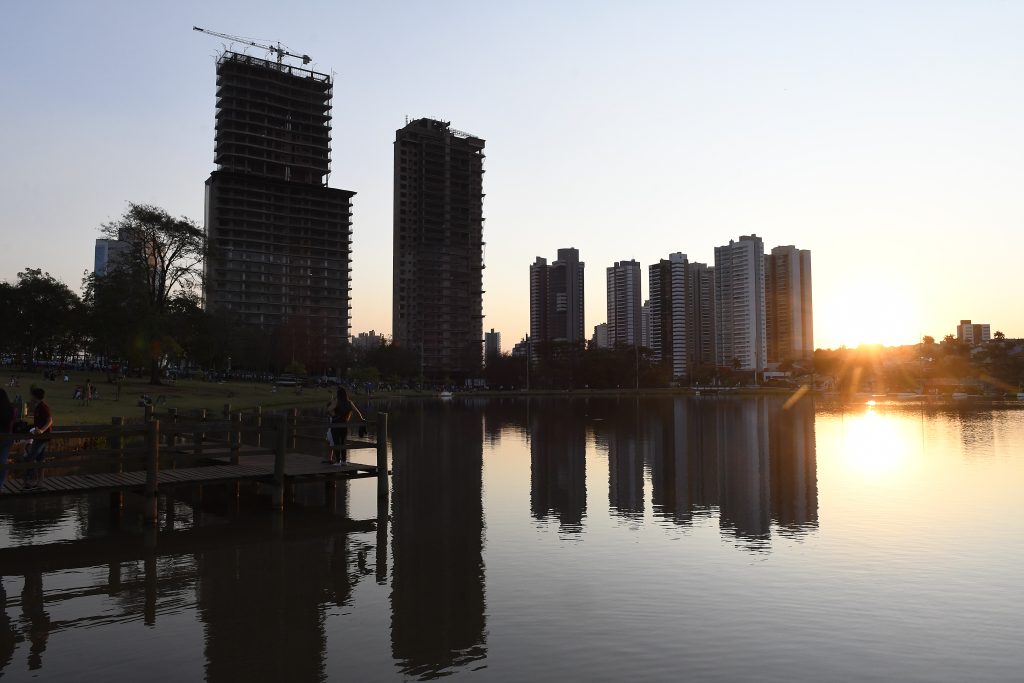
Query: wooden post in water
[(199, 434), (293, 423), (150, 512), (117, 445), (172, 436), (280, 449), (148, 412), (382, 457), (149, 577), (259, 426), (235, 437)]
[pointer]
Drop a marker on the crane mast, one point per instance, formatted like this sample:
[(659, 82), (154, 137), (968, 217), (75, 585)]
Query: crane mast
[(279, 51)]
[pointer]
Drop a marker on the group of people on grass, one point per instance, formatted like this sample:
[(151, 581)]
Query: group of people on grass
[(42, 425)]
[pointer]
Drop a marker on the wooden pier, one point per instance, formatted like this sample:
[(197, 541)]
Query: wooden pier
[(157, 454)]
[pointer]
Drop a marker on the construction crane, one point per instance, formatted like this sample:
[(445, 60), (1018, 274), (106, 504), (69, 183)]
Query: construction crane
[(277, 50)]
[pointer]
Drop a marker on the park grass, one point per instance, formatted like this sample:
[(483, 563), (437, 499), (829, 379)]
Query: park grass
[(184, 395)]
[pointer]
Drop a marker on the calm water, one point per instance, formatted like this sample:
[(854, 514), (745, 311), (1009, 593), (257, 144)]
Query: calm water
[(668, 539)]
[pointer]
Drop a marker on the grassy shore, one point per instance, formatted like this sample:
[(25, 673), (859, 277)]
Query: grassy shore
[(190, 395)]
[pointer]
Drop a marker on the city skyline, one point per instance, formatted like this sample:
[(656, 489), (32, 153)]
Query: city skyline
[(678, 127)]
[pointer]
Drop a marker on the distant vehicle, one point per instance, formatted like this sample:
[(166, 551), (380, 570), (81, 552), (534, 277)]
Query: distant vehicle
[(288, 381)]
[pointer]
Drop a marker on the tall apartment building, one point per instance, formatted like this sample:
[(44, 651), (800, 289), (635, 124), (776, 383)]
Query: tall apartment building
[(280, 238), (740, 336), (437, 298), (556, 300), (492, 345), (973, 334), (668, 320), (625, 325), (600, 338), (789, 318), (106, 255), (700, 315)]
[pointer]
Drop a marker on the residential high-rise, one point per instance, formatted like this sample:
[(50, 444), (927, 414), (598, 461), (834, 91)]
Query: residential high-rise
[(280, 238), (624, 310), (492, 345), (789, 320), (107, 254), (600, 338), (668, 319), (556, 300), (700, 315), (740, 337), (437, 298)]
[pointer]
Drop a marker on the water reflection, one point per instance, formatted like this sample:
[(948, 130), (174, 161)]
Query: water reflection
[(751, 459), (437, 582), (558, 459)]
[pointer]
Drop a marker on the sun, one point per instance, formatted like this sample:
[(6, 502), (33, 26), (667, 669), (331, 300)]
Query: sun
[(880, 311)]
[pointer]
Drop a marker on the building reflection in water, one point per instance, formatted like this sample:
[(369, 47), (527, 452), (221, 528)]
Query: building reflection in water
[(752, 459), (437, 581), (558, 458)]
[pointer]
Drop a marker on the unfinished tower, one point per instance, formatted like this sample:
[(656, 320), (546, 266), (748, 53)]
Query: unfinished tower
[(437, 298), (280, 238)]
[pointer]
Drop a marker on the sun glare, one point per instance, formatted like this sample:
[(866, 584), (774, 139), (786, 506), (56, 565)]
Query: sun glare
[(872, 312), (874, 446)]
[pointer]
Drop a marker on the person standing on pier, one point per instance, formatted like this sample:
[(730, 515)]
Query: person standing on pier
[(6, 427), (42, 424), (340, 410)]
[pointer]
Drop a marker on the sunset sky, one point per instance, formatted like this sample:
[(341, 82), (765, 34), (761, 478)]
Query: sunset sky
[(884, 137)]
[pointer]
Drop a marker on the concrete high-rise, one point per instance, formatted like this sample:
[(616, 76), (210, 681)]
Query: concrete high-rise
[(625, 325), (668, 319), (700, 315), (556, 300), (492, 345), (740, 336), (789, 321), (437, 297), (280, 238)]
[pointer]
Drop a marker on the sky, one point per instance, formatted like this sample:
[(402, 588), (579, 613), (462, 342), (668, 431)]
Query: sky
[(885, 137)]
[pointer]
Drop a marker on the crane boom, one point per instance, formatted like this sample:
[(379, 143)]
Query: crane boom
[(277, 50)]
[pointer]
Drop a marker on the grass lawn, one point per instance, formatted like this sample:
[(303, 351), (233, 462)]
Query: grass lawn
[(185, 395)]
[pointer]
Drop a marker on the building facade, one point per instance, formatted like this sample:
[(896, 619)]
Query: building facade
[(492, 345), (437, 304), (740, 335), (668, 320), (789, 321), (700, 315), (600, 338), (556, 300), (279, 238), (625, 324), (106, 255), (973, 334)]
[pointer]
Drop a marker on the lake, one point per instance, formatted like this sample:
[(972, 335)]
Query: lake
[(598, 539)]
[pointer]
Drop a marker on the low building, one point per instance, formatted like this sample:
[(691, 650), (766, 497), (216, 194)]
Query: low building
[(973, 334)]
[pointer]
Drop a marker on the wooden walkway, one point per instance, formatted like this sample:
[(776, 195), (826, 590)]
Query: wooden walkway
[(254, 467), (213, 461)]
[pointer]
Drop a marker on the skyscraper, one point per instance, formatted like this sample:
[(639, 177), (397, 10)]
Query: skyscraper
[(700, 315), (668, 312), (437, 297), (556, 300), (624, 310), (789, 321), (279, 237), (492, 345), (740, 337)]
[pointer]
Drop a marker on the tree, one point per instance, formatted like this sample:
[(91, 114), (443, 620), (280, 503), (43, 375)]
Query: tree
[(999, 335), (47, 314), (162, 256)]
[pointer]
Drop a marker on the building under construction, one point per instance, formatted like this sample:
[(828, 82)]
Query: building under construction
[(280, 239), (437, 306)]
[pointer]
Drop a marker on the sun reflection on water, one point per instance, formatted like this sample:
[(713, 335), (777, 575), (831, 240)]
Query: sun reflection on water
[(875, 446)]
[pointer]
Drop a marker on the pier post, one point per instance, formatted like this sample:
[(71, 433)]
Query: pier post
[(150, 511), (280, 449), (117, 445), (382, 457), (199, 435), (172, 436), (293, 423), (148, 412), (235, 437), (259, 426)]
